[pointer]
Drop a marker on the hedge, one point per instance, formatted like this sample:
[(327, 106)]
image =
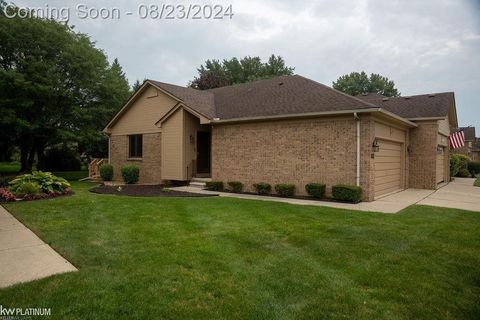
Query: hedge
[(106, 172), (474, 167), (235, 186), (130, 173), (315, 190), (348, 193), (214, 185), (262, 188), (459, 165), (285, 189)]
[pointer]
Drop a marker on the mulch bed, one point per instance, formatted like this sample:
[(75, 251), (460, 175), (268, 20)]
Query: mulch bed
[(145, 191)]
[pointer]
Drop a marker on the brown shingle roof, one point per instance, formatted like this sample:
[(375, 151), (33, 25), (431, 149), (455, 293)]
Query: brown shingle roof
[(285, 95), (419, 106), (200, 101), (281, 96)]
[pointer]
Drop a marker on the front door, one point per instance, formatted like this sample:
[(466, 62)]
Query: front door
[(203, 152)]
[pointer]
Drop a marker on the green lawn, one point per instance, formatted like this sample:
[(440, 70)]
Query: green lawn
[(142, 258)]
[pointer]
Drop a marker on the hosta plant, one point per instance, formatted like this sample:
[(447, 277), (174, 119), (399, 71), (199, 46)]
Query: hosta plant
[(46, 182)]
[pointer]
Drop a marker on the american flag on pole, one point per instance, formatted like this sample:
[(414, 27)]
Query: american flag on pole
[(457, 139)]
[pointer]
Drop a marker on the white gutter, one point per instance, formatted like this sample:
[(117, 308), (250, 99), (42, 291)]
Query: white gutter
[(296, 115), (313, 114), (357, 121)]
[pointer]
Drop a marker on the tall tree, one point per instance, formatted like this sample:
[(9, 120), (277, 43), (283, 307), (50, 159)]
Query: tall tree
[(357, 83), (214, 74), (136, 85), (55, 85)]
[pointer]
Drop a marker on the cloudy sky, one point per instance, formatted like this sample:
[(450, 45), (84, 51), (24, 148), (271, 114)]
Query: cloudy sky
[(425, 46)]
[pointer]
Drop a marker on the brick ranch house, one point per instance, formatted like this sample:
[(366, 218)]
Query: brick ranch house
[(287, 129)]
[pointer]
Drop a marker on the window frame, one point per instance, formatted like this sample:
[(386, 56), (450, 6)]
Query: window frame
[(137, 147)]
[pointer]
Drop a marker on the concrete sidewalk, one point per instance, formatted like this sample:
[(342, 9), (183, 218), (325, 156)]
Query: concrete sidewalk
[(389, 204), (24, 256), (458, 194)]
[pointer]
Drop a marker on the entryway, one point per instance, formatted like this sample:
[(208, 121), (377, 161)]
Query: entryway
[(204, 141)]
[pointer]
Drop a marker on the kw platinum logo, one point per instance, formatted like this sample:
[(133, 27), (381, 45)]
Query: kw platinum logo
[(9, 313)]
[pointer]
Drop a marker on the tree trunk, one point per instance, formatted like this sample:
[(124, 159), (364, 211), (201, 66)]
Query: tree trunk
[(40, 156), (31, 159)]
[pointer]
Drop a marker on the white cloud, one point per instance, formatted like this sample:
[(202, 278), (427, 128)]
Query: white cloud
[(424, 46)]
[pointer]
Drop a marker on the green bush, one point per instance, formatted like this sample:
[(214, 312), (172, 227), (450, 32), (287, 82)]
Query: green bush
[(349, 193), (106, 172), (477, 182), (235, 186), (474, 167), (46, 181), (130, 173), (315, 190), (262, 188), (30, 188), (62, 158), (285, 189), (214, 185), (459, 165), (4, 181)]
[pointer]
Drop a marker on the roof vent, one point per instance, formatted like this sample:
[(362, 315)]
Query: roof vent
[(385, 99), (431, 95), (280, 84), (407, 98)]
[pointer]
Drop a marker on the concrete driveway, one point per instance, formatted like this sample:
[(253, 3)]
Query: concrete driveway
[(24, 256), (458, 194)]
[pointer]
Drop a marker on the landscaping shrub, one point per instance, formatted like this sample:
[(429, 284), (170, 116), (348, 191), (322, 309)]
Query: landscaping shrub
[(235, 186), (4, 181), (214, 185), (349, 193), (315, 190), (285, 189), (62, 158), (130, 173), (6, 196), (106, 172), (262, 188), (29, 188), (474, 167), (459, 165), (46, 181), (477, 182)]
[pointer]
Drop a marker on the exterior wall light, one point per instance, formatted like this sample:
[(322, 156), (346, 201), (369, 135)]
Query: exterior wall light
[(375, 146), (439, 149)]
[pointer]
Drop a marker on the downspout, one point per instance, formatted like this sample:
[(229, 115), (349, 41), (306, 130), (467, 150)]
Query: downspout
[(357, 120)]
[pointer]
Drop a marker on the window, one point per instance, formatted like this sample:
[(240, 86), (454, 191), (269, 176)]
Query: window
[(135, 146)]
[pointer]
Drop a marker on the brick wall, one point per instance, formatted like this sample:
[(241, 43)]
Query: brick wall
[(291, 151), (422, 160), (149, 165)]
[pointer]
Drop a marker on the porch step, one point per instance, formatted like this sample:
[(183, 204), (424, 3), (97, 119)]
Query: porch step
[(199, 182)]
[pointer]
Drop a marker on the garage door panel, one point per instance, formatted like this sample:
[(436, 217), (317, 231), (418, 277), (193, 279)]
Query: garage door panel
[(391, 153), (389, 178), (388, 167), (386, 190)]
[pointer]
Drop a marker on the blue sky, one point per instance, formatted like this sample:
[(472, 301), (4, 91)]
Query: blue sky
[(424, 46)]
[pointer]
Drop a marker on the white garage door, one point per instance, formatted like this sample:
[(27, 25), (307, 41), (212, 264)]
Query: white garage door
[(388, 168)]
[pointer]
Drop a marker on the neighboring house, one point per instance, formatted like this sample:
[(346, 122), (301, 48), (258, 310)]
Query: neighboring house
[(288, 129), (472, 144)]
